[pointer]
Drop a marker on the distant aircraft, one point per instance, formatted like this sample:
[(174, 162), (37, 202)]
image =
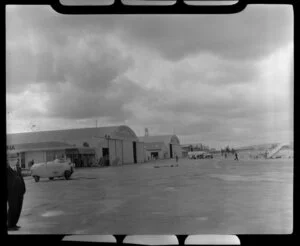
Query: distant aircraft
[(275, 150)]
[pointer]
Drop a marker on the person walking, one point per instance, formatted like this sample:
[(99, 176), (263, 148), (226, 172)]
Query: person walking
[(15, 194), (22, 189), (236, 156), (176, 158)]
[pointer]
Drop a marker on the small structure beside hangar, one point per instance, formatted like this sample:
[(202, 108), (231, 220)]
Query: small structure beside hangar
[(162, 146)]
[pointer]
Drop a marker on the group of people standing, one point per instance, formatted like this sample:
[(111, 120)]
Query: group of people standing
[(15, 194)]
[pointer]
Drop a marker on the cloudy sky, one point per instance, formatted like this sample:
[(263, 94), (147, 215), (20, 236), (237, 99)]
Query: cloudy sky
[(214, 79)]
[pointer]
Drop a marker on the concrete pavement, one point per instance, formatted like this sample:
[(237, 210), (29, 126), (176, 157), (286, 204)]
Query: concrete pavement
[(197, 197)]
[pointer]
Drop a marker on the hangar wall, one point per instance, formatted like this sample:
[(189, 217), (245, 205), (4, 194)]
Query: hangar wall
[(140, 152), (112, 152), (120, 145), (177, 150), (119, 152), (37, 156)]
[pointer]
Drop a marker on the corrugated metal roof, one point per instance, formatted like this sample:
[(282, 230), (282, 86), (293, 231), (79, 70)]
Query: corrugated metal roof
[(120, 132), (69, 149), (167, 139), (185, 145), (81, 150), (40, 145), (37, 149)]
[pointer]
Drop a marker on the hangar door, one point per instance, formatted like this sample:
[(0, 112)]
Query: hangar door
[(177, 150), (140, 152), (115, 152), (119, 152), (127, 152), (112, 152)]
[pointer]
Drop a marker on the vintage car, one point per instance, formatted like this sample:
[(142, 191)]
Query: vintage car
[(208, 156), (199, 155), (192, 155), (52, 169)]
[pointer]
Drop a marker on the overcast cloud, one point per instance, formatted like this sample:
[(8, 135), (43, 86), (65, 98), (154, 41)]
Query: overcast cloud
[(215, 79)]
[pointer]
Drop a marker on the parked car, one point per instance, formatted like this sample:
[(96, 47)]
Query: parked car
[(200, 156), (52, 169), (208, 156)]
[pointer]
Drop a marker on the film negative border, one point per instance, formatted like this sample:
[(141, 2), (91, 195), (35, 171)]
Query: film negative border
[(177, 8)]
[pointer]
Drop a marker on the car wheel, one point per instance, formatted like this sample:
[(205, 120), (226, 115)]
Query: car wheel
[(67, 174), (51, 178), (36, 178)]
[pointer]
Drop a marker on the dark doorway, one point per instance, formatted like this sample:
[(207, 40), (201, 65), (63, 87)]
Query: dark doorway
[(134, 152), (154, 155), (171, 151), (105, 154)]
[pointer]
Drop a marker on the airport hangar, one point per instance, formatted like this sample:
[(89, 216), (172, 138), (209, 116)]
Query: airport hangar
[(162, 146), (116, 145)]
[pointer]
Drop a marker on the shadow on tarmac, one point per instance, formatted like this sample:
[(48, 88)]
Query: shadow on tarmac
[(78, 178), (63, 179)]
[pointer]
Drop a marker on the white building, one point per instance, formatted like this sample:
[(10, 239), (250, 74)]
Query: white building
[(162, 146), (115, 145)]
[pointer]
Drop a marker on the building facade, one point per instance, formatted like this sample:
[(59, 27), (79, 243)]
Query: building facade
[(162, 147), (109, 146), (186, 148)]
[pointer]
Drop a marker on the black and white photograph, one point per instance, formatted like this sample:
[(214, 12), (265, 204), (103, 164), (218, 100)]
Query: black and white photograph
[(150, 124)]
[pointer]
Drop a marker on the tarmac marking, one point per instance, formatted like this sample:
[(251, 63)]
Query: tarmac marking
[(170, 189), (110, 205), (202, 218), (246, 178), (52, 213), (158, 213), (216, 164), (79, 232)]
